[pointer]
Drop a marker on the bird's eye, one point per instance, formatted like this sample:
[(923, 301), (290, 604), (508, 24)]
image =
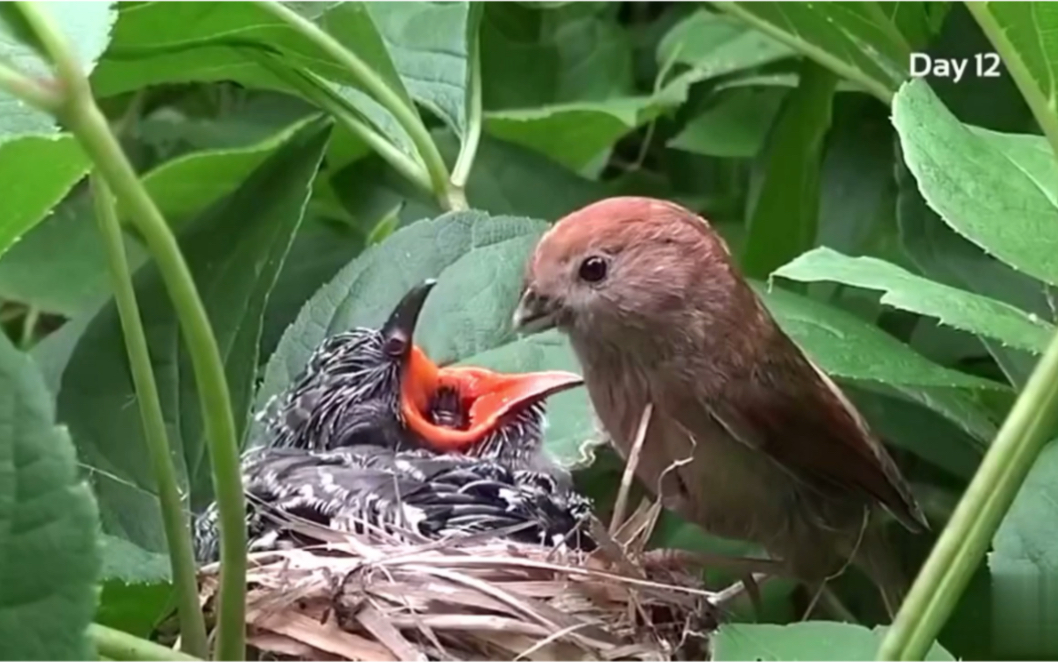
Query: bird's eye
[(593, 269)]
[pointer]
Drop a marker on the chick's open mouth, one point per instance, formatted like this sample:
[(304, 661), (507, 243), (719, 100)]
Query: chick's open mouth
[(455, 407)]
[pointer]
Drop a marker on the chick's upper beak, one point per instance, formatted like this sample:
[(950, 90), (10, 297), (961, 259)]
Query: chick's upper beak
[(400, 327), (535, 312)]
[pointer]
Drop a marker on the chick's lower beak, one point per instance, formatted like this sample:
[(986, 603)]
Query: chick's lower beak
[(535, 312)]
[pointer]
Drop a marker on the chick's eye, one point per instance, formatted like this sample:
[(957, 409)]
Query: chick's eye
[(593, 269)]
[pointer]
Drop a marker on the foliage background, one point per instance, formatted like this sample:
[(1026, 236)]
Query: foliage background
[(792, 127)]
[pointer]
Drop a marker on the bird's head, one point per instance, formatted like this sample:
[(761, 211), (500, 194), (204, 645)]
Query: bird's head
[(625, 267), (378, 386)]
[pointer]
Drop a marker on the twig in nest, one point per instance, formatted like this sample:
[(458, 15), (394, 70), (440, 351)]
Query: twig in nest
[(630, 468)]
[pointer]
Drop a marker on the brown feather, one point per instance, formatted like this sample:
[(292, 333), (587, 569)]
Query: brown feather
[(763, 445)]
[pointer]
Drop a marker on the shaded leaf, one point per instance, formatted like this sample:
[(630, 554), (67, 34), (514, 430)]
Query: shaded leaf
[(734, 127), (784, 216), (853, 39), (36, 171), (847, 347), (717, 44), (960, 309), (810, 640), (48, 524), (1023, 563), (477, 261), (234, 251), (972, 177)]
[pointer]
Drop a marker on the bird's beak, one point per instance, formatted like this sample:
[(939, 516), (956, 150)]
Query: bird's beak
[(486, 395), (535, 313), (398, 330)]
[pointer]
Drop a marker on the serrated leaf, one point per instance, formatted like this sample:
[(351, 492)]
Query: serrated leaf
[(853, 39), (716, 45), (734, 128), (1021, 33), (574, 134), (477, 260), (902, 289), (86, 26), (48, 524), (846, 347), (234, 251), (971, 177), (36, 171), (810, 640)]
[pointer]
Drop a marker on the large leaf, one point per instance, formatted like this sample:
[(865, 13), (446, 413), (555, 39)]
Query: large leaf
[(1024, 560), (853, 39), (87, 27), (48, 524), (974, 177), (478, 262), (234, 251), (846, 347), (1021, 33), (810, 640), (783, 218), (36, 171), (957, 308), (715, 44)]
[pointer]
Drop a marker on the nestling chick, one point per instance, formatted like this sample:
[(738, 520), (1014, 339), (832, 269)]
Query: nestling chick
[(748, 437), (373, 434)]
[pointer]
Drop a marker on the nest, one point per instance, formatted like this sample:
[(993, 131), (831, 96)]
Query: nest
[(374, 596)]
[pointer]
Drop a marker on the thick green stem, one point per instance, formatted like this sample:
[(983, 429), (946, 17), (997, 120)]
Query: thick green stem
[(469, 150), (181, 554), (84, 119), (965, 540), (118, 645), (403, 111)]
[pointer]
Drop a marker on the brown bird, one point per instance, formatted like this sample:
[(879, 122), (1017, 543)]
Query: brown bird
[(747, 436)]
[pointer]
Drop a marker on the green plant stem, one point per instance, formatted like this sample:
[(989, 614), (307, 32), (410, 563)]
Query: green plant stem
[(84, 119), (965, 540), (469, 149), (29, 90), (403, 111), (118, 645), (181, 554)]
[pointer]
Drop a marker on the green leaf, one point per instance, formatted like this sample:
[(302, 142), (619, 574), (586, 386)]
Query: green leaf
[(783, 221), (810, 640), (853, 39), (477, 261), (430, 44), (902, 289), (36, 171), (575, 134), (735, 127), (48, 524), (972, 177), (849, 348), (918, 22), (185, 186), (60, 265), (716, 45), (234, 251), (87, 27), (1023, 563), (1017, 30)]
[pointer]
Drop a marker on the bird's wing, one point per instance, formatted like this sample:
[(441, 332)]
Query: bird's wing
[(803, 421)]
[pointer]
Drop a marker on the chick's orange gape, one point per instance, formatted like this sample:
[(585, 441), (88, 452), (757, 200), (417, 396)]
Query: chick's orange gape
[(485, 395)]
